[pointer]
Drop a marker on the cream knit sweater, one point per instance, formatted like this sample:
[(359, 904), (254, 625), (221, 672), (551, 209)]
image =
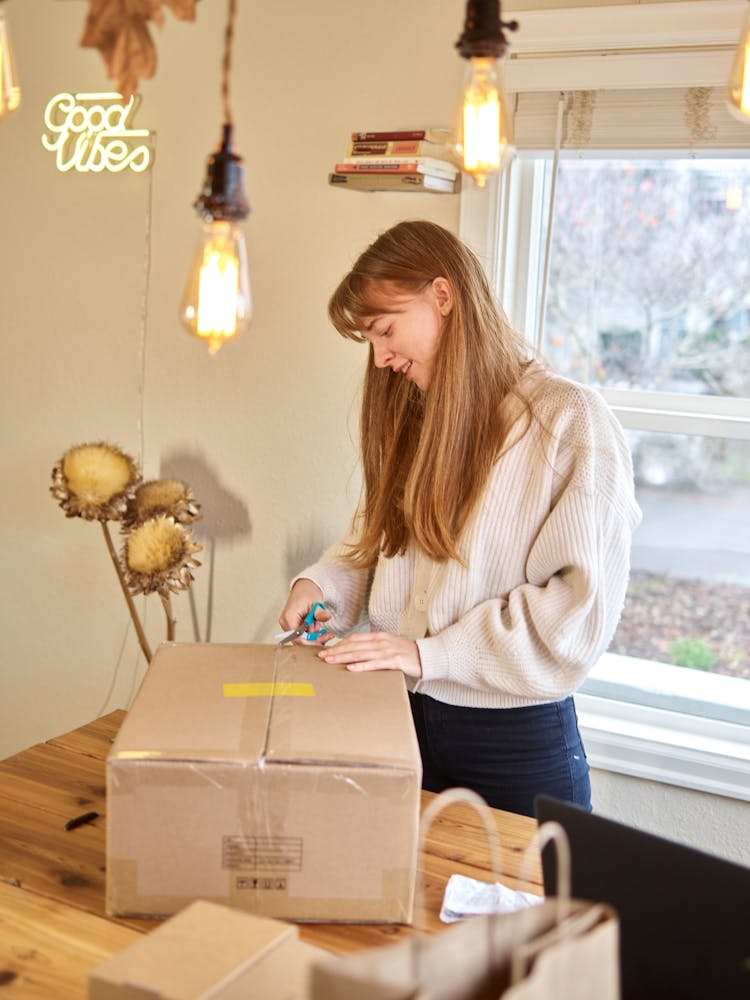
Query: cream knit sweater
[(547, 556)]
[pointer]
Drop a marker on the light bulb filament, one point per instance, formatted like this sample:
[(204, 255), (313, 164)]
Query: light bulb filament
[(10, 91), (217, 302), (738, 87), (482, 131), (483, 127)]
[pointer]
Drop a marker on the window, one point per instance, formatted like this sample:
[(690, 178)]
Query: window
[(617, 240), (649, 299)]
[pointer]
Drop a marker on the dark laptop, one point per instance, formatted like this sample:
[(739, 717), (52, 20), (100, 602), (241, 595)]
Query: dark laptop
[(684, 914)]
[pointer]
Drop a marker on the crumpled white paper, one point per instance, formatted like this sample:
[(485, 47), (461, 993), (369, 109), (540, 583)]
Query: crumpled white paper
[(466, 897)]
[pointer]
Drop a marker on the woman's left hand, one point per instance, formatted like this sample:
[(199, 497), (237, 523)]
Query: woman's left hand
[(375, 651)]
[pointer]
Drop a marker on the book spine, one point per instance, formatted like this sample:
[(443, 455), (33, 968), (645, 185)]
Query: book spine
[(430, 163), (398, 147), (373, 168), (387, 136), (395, 182)]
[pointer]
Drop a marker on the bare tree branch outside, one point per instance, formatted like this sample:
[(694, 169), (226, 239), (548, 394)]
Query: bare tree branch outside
[(650, 290)]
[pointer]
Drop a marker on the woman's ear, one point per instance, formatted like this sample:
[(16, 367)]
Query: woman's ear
[(443, 295)]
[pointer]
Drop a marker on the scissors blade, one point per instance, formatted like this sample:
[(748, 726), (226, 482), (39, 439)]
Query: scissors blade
[(308, 622), (287, 637)]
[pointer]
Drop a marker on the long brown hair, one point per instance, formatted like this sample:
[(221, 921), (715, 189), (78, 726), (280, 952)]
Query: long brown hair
[(427, 456)]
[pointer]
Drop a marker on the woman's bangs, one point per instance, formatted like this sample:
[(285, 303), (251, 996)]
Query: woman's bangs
[(354, 302)]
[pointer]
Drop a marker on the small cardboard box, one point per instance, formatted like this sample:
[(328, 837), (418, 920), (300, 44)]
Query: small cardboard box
[(209, 951), (264, 778)]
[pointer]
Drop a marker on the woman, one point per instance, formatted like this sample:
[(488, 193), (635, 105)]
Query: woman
[(492, 543)]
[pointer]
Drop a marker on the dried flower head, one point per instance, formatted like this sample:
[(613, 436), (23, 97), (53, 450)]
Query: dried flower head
[(162, 497), (94, 481), (158, 557)]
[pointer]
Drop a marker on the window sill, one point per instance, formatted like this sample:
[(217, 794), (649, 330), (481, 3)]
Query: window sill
[(667, 724)]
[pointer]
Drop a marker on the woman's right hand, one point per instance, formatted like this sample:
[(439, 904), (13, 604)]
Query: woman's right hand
[(301, 598)]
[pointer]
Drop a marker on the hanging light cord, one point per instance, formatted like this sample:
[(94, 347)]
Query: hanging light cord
[(143, 325), (140, 423), (227, 64), (550, 219)]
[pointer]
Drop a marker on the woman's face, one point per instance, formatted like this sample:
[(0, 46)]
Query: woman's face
[(406, 333)]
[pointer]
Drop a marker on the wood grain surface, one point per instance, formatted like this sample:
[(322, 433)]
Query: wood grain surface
[(53, 929)]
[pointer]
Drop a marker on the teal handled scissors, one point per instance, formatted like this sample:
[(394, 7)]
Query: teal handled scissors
[(304, 628)]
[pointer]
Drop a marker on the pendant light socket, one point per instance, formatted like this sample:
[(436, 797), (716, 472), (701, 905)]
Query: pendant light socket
[(483, 36), (223, 195)]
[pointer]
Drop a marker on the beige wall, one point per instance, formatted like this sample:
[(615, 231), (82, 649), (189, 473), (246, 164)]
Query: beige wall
[(709, 822), (264, 430), (518, 6)]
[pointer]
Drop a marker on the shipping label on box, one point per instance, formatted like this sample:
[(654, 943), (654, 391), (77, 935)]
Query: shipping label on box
[(261, 777)]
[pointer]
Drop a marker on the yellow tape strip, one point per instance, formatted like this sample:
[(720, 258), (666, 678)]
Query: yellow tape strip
[(281, 689)]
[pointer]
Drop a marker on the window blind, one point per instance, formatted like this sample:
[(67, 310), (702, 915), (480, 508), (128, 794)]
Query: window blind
[(689, 119)]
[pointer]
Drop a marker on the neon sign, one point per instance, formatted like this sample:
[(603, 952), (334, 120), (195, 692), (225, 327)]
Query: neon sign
[(91, 133)]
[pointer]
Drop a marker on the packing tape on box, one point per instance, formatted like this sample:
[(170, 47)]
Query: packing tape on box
[(283, 689), (273, 689), (324, 909)]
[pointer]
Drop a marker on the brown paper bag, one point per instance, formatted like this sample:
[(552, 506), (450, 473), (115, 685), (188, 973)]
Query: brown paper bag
[(561, 948)]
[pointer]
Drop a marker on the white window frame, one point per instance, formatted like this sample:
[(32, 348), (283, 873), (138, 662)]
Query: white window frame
[(637, 717)]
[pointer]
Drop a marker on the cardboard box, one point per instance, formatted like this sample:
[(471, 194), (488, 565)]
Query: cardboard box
[(209, 951), (264, 778)]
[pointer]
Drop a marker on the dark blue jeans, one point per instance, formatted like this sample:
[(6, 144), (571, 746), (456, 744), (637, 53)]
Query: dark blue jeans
[(507, 755)]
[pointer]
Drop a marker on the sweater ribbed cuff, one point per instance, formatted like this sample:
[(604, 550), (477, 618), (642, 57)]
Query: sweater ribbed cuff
[(434, 657)]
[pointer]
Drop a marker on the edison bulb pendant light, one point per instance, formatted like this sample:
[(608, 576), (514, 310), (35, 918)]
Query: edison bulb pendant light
[(217, 303), (738, 90), (483, 129), (10, 90), (482, 137)]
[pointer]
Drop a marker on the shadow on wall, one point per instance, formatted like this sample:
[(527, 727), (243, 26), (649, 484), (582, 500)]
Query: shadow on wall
[(300, 551), (304, 549), (225, 517)]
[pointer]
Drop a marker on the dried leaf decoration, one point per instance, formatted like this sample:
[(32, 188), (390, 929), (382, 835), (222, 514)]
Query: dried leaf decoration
[(100, 482), (119, 29), (158, 497)]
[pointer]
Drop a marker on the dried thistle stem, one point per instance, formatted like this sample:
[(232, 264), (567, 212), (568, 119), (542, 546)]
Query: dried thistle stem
[(128, 598), (166, 601)]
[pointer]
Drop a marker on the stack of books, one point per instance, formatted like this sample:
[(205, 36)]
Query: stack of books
[(397, 161)]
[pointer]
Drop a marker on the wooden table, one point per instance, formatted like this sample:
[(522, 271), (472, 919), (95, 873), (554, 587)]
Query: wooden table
[(53, 929)]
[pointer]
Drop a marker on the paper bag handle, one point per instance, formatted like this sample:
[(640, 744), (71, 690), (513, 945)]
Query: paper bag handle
[(550, 832), (448, 798), (435, 807)]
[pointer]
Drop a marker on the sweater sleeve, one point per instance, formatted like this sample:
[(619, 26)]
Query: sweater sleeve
[(344, 586), (542, 638), (537, 639)]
